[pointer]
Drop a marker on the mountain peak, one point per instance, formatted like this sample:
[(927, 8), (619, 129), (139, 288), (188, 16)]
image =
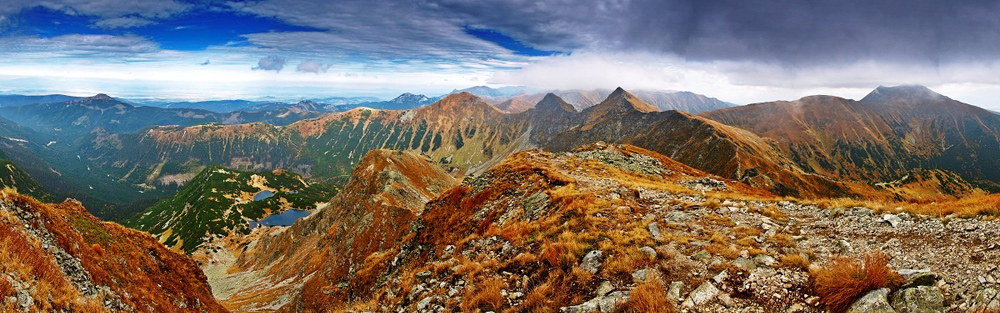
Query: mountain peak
[(901, 93), (623, 99), (100, 96), (552, 102), (409, 98), (459, 102)]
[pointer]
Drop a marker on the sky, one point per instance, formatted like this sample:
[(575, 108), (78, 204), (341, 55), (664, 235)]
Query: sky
[(742, 51)]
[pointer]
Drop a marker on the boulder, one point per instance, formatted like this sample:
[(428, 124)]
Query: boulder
[(702, 295), (654, 231), (592, 261), (891, 219), (920, 299), (674, 292), (873, 302), (920, 279), (648, 251)]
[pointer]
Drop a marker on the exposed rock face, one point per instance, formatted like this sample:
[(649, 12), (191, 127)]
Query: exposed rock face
[(59, 257), (920, 299)]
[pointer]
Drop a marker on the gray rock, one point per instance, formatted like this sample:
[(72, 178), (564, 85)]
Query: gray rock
[(603, 304), (910, 272), (745, 264), (891, 219), (423, 303), (649, 251), (612, 301), (702, 295), (674, 292), (920, 299), (644, 275), (592, 261), (765, 260), (605, 288), (874, 302), (987, 299), (920, 279), (718, 279), (701, 255), (795, 308), (25, 300), (654, 231)]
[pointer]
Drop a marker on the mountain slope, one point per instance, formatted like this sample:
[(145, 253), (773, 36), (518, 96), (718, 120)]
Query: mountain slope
[(101, 111), (405, 101), (881, 137), (13, 177), (525, 222), (704, 144), (220, 200), (19, 100), (386, 192), (461, 130), (57, 257)]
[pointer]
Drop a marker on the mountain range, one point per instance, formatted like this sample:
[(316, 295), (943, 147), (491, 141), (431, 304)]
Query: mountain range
[(506, 202)]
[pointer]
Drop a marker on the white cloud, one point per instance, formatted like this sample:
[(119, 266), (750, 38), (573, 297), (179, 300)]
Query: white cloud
[(312, 66), (750, 82), (102, 8), (75, 45)]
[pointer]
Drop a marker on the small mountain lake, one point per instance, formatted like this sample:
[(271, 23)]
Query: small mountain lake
[(262, 195), (284, 219)]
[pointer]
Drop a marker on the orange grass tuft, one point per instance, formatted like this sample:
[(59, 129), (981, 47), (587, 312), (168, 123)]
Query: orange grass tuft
[(649, 297), (844, 280)]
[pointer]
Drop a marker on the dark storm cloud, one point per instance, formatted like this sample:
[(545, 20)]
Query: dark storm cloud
[(790, 31)]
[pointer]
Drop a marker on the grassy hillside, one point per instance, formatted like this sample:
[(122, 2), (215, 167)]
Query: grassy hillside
[(220, 200)]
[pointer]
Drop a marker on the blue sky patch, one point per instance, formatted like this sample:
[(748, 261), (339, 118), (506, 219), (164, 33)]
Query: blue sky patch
[(507, 42), (186, 32)]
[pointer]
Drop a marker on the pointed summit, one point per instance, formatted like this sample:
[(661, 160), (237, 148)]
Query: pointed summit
[(623, 100), (906, 93), (552, 102)]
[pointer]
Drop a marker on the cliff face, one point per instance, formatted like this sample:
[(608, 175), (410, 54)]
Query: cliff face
[(59, 257)]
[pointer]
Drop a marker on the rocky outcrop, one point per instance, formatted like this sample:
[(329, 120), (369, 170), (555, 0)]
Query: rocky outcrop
[(58, 257)]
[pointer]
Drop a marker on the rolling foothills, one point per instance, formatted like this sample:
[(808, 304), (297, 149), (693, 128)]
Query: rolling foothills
[(499, 200)]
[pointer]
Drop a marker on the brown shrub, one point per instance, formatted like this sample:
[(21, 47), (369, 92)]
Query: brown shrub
[(844, 280), (650, 297)]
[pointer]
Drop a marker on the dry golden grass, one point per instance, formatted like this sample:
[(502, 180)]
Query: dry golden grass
[(539, 299), (794, 261), (986, 205), (649, 297), (844, 280), (782, 240), (485, 296), (746, 231)]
